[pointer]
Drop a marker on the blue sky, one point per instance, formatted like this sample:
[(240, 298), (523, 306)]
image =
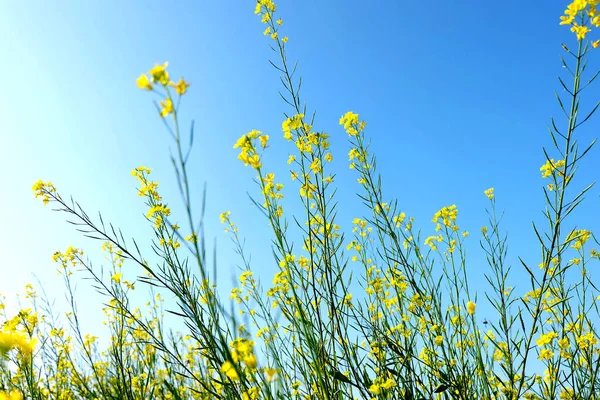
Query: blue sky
[(457, 97)]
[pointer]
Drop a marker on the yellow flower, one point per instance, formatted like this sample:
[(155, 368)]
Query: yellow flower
[(551, 166), (388, 384), (349, 121), (430, 241), (167, 107), (375, 389), (572, 10), (180, 87), (270, 373), (43, 189), (471, 307), (117, 277), (564, 20), (251, 394), (545, 354), (578, 237), (10, 340), (225, 216), (250, 360), (143, 82), (192, 238), (546, 338), (159, 74), (13, 395), (489, 193), (254, 161), (229, 370), (489, 335), (448, 216), (315, 165), (580, 31), (158, 209), (263, 140), (137, 172)]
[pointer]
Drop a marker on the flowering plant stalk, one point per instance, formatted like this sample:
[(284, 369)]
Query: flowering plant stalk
[(414, 333)]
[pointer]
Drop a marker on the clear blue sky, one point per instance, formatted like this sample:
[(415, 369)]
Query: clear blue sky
[(457, 96)]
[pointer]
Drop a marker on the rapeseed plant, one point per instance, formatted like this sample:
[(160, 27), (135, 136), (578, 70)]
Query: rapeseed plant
[(413, 334)]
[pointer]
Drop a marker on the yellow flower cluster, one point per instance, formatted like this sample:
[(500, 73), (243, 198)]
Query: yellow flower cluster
[(360, 155), (586, 340), (117, 259), (157, 211), (169, 243), (159, 75), (224, 216), (305, 139), (351, 123), (279, 291), (292, 124), (248, 154), (471, 307), (272, 190), (578, 237), (295, 129), (361, 227), (550, 167), (447, 217), (431, 241), (242, 350), (305, 143), (115, 255), (266, 8), (587, 12), (381, 384), (46, 190), (247, 281), (148, 188), (546, 338), (13, 339), (13, 395), (399, 219), (71, 255), (226, 219)]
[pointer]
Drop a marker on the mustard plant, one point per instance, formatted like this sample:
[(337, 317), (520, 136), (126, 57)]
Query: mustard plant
[(414, 332)]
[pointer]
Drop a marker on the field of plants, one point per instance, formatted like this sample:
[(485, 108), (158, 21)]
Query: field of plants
[(368, 310)]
